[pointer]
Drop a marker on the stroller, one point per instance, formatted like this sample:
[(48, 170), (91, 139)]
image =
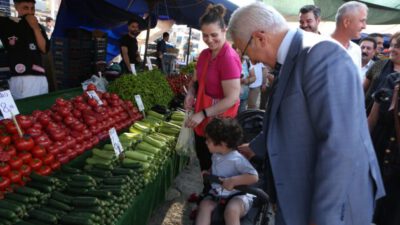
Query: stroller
[(252, 124), (258, 214)]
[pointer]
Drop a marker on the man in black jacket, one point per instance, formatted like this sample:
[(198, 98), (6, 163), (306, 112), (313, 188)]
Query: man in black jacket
[(25, 40)]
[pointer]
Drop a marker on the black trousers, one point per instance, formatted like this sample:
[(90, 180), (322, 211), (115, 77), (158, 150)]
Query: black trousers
[(202, 152)]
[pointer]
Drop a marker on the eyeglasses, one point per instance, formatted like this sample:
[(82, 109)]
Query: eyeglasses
[(247, 46)]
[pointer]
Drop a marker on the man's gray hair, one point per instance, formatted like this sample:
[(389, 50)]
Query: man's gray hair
[(256, 16), (349, 8)]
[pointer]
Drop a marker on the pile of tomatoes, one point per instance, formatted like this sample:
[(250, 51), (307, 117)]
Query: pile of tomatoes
[(57, 135), (177, 82)]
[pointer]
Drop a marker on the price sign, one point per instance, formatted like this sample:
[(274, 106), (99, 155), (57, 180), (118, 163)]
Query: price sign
[(115, 142), (139, 103), (149, 65), (93, 94), (7, 105)]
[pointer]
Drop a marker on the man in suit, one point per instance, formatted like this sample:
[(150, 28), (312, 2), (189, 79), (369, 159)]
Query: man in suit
[(321, 165)]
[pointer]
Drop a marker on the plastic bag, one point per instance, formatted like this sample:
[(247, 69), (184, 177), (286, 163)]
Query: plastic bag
[(185, 146), (100, 82)]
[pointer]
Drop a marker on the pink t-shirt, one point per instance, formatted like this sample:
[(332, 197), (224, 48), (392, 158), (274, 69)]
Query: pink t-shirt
[(225, 66)]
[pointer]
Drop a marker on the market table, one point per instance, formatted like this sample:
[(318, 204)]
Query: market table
[(142, 206)]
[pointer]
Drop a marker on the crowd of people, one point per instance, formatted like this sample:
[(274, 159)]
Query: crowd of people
[(329, 146)]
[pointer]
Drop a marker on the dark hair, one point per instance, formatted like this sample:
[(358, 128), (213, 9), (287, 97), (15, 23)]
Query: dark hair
[(311, 8), (225, 130), (375, 35), (165, 34), (19, 1), (48, 19), (395, 36), (214, 14), (133, 21), (370, 39)]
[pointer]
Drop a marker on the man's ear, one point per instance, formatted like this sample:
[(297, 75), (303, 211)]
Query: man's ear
[(260, 38)]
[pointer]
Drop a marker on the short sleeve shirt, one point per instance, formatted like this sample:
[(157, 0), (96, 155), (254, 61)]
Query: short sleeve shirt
[(132, 45), (229, 165), (23, 54), (225, 66)]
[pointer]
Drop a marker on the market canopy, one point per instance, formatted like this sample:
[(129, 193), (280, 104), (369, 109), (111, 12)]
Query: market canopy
[(111, 16), (380, 11)]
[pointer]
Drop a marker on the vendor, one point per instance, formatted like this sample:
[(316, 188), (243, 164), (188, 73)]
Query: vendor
[(161, 49), (25, 40), (129, 47)]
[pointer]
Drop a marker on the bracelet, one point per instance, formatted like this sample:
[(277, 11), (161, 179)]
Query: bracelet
[(205, 113)]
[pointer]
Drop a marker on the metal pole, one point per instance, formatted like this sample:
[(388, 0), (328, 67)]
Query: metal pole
[(188, 46), (147, 41)]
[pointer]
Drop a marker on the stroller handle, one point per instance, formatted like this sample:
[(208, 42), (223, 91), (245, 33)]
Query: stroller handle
[(260, 194)]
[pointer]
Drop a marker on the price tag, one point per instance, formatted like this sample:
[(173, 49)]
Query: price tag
[(115, 142), (7, 105), (133, 69), (93, 94), (139, 103), (149, 65)]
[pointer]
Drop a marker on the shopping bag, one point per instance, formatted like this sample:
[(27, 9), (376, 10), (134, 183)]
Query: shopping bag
[(185, 146), (100, 82)]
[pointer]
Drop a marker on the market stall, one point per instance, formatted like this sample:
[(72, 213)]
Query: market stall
[(96, 181)]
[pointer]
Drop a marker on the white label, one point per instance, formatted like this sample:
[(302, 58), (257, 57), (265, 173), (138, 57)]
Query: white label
[(133, 69), (115, 142), (139, 103), (7, 105), (93, 94), (149, 65)]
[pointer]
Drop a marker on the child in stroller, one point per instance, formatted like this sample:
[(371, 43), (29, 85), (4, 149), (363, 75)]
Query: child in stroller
[(232, 169)]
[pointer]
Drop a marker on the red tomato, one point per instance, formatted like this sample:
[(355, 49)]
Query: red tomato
[(61, 102), (78, 126), (92, 102), (76, 113), (91, 87), (63, 158), (38, 151), (79, 148), (15, 162), (48, 159), (4, 169), (71, 153), (25, 170), (90, 120), (35, 164), (10, 150), (4, 183), (44, 119), (55, 165), (53, 149), (11, 128), (25, 156), (15, 177), (24, 121), (37, 126), (57, 135), (43, 141), (34, 132), (44, 170), (61, 145), (24, 144), (5, 139)]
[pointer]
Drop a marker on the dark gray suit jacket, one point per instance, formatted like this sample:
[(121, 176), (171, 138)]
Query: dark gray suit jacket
[(321, 155)]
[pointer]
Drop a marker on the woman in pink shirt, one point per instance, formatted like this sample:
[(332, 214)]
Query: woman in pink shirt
[(218, 69)]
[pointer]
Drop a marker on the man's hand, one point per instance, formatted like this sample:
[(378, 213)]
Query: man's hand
[(189, 101), (33, 22), (246, 151)]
